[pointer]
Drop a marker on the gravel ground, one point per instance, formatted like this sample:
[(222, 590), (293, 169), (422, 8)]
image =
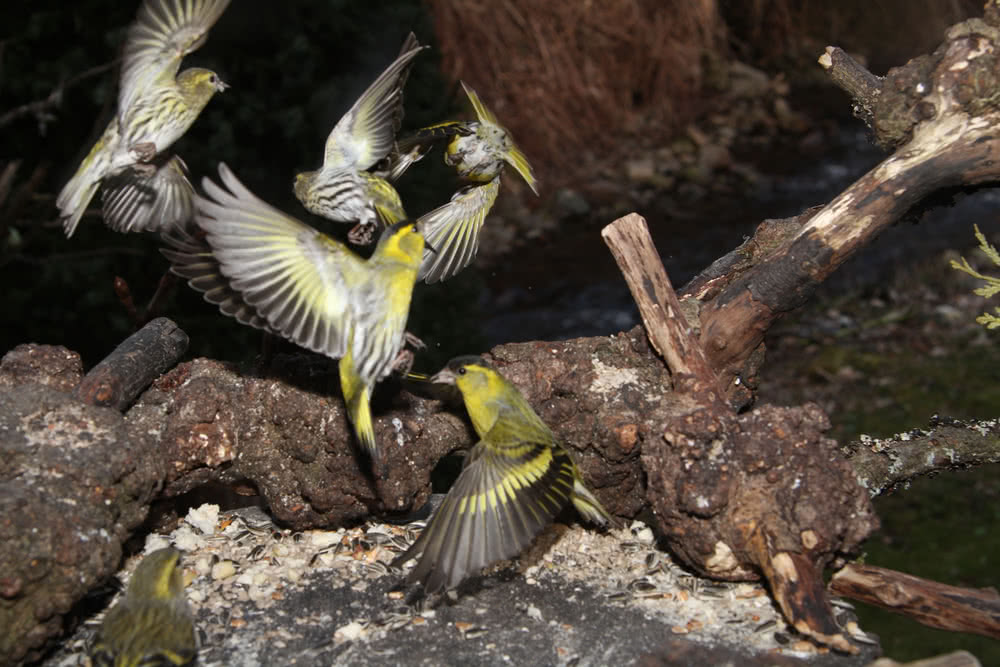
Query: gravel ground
[(264, 596)]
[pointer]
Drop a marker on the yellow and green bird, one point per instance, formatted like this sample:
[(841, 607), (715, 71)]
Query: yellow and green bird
[(145, 189), (516, 479), (152, 624), (478, 150), (273, 272), (343, 190)]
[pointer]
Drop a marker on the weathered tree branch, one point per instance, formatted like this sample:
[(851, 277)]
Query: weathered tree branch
[(929, 602), (39, 108), (940, 114), (883, 463)]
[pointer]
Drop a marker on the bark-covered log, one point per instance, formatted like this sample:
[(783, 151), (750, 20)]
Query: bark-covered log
[(935, 604), (707, 484), (762, 493), (118, 378), (286, 433)]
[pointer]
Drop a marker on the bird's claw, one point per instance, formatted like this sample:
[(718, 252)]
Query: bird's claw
[(362, 233), (144, 151), (403, 361), (413, 341), (144, 169)]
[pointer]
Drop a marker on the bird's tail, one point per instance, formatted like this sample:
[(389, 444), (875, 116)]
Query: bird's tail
[(356, 396), (76, 195)]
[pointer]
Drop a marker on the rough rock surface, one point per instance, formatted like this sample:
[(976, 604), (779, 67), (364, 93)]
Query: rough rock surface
[(75, 480)]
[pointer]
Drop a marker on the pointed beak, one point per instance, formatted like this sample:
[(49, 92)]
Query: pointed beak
[(444, 376)]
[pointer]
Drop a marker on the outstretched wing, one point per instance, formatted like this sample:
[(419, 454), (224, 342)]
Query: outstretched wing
[(135, 202), (191, 258), (508, 492), (163, 33), (512, 155), (453, 231), (296, 278), (365, 134)]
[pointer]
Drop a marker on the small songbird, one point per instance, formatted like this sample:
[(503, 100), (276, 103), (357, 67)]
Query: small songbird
[(343, 190), (152, 624), (273, 272), (478, 150), (144, 188), (516, 479)]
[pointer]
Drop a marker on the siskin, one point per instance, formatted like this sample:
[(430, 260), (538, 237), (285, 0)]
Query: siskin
[(478, 150), (276, 273), (144, 189), (152, 624), (342, 189), (516, 479)]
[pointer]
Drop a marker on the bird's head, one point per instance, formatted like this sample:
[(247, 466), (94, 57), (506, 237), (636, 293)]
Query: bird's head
[(402, 242), (198, 85), (158, 576), (303, 185), (483, 389)]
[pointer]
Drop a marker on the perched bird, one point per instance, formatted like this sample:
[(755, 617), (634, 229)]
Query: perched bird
[(276, 273), (152, 624), (478, 150), (342, 189), (143, 188), (516, 479)]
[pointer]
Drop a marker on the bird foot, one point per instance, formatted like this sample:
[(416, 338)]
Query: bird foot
[(144, 151), (413, 341), (144, 169), (403, 361), (362, 233)]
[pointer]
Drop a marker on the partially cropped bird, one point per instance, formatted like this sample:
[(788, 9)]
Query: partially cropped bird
[(516, 479), (276, 273), (343, 190), (152, 624), (478, 150), (144, 188)]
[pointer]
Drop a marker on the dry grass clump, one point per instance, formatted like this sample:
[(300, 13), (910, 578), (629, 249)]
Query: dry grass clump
[(570, 78)]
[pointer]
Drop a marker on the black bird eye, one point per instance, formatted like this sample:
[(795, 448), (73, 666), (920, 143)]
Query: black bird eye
[(213, 79), (461, 371), (414, 229)]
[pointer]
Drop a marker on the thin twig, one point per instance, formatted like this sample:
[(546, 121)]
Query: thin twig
[(54, 98)]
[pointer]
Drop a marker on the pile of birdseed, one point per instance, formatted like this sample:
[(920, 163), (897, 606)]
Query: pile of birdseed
[(266, 595)]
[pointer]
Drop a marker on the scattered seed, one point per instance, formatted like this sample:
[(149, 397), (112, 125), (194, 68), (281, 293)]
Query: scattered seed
[(765, 626)]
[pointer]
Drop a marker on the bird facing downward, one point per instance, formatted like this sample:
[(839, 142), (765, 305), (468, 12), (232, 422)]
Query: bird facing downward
[(343, 190), (515, 481), (276, 273), (478, 150), (152, 624)]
